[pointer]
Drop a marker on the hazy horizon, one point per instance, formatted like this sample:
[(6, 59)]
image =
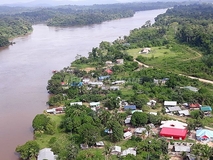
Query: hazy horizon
[(72, 2)]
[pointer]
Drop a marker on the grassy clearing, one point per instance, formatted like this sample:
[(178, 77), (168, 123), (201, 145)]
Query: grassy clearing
[(43, 139)]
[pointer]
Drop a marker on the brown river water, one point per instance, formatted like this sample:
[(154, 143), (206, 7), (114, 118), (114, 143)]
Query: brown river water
[(26, 67)]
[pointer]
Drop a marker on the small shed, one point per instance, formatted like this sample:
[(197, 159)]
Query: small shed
[(136, 111), (99, 144), (120, 61), (184, 112), (84, 146), (128, 119), (109, 71)]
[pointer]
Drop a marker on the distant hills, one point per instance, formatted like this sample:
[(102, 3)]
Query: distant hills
[(51, 3)]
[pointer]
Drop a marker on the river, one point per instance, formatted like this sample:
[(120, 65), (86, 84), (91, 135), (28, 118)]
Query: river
[(26, 67)]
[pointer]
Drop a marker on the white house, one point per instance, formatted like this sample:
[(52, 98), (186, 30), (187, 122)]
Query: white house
[(93, 84), (76, 103), (114, 88), (170, 103), (128, 119), (140, 130), (46, 153), (129, 151), (127, 135), (173, 124), (94, 104), (116, 150), (119, 82)]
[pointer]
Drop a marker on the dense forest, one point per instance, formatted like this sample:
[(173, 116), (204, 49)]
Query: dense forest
[(11, 27), (85, 15), (15, 21)]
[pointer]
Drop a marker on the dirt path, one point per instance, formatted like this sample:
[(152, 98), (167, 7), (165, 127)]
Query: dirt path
[(199, 55), (142, 64), (200, 79)]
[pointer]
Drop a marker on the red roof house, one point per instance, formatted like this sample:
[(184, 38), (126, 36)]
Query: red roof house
[(173, 133), (109, 71), (173, 129), (194, 105)]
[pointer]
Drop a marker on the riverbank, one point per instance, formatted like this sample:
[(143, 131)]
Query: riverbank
[(24, 60)]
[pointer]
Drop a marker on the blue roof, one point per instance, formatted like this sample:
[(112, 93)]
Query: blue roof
[(206, 108), (103, 77), (78, 84), (204, 132), (130, 107)]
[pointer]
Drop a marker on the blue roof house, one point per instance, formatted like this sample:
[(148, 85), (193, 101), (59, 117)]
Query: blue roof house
[(77, 84), (130, 107), (101, 78), (206, 108), (204, 134)]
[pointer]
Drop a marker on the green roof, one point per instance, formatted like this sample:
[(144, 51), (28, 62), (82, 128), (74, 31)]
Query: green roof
[(206, 108)]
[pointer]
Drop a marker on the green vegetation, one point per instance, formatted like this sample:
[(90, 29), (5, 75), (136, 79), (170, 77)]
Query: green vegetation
[(11, 27), (169, 57)]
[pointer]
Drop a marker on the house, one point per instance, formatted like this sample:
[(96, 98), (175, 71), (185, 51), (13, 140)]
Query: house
[(128, 119), (94, 84), (84, 146), (139, 131), (151, 103), (194, 105), (160, 81), (145, 50), (174, 109), (101, 78), (108, 62), (109, 71), (86, 80), (184, 112), (46, 153), (182, 147), (193, 89), (119, 82), (127, 135), (131, 151), (170, 103), (51, 111), (204, 134), (173, 129), (114, 88), (94, 104), (130, 107), (115, 150), (99, 144), (109, 131), (120, 61), (206, 109), (77, 84), (76, 103)]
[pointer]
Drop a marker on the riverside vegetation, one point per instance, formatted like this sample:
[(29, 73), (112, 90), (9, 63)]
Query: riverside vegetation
[(16, 21), (180, 41)]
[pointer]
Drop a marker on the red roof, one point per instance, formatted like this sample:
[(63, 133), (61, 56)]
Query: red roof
[(194, 105), (173, 132), (108, 71)]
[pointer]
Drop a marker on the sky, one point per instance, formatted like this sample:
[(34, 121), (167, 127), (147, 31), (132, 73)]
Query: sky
[(43, 1)]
